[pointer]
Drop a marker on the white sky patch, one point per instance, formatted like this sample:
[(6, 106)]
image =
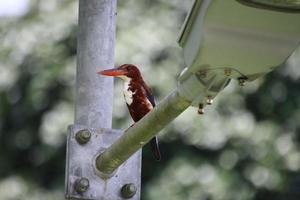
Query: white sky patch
[(10, 8)]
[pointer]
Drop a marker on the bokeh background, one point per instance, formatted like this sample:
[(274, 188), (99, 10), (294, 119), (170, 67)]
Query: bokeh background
[(246, 146)]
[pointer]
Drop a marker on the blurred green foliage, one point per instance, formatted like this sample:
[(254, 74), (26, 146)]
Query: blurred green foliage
[(245, 147)]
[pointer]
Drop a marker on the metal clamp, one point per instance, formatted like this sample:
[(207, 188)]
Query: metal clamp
[(83, 180), (202, 86)]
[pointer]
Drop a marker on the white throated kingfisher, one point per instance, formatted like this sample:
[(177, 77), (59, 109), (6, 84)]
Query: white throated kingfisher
[(137, 94)]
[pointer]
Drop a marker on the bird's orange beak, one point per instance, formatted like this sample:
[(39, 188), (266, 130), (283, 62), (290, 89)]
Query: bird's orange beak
[(112, 72)]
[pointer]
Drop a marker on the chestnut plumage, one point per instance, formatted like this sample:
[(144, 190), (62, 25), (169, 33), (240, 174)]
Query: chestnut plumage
[(138, 96)]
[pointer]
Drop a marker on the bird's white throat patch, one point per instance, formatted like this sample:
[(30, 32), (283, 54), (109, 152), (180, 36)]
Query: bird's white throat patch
[(128, 94)]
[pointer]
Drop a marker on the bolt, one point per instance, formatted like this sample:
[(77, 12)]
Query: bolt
[(202, 74), (83, 136), (201, 109), (81, 185), (227, 72), (209, 100), (128, 190), (242, 81)]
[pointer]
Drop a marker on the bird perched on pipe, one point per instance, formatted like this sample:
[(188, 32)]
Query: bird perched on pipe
[(138, 96)]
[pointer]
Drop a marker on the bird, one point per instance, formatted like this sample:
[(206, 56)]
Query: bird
[(138, 96)]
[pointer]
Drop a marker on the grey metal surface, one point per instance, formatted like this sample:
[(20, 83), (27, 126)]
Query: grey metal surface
[(93, 109), (95, 52), (81, 160), (219, 34)]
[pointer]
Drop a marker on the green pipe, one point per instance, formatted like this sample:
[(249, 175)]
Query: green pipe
[(138, 135)]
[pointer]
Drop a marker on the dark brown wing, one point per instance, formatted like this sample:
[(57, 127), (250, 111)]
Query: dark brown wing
[(149, 94), (154, 141)]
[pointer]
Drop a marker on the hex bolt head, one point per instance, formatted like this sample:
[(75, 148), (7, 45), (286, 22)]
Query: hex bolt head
[(227, 72), (209, 100), (81, 185), (242, 81), (201, 109), (202, 74), (83, 136), (128, 190)]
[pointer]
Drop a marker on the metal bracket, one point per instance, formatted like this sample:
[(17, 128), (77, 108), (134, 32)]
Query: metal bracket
[(82, 181), (202, 86)]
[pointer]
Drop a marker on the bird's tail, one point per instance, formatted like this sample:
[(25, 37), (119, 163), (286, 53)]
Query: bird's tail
[(155, 148)]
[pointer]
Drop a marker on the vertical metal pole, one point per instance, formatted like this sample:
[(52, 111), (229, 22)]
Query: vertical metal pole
[(95, 52), (91, 133)]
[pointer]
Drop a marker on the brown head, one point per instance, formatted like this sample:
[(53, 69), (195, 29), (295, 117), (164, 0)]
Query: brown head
[(124, 71)]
